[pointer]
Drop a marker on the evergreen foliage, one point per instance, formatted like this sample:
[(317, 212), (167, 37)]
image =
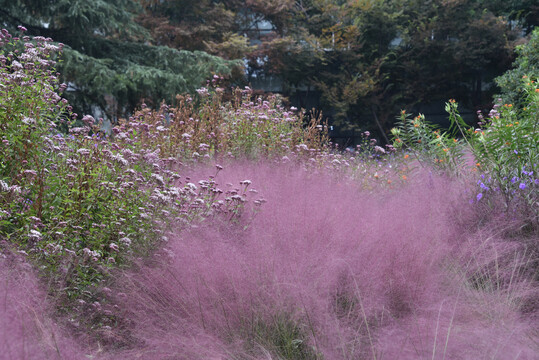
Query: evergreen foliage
[(109, 59)]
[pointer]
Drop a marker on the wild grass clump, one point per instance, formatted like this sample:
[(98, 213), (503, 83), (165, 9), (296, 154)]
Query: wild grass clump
[(26, 328), (327, 270)]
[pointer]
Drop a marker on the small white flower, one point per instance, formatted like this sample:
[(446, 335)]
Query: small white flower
[(35, 235), (125, 241), (4, 187), (27, 120), (158, 178)]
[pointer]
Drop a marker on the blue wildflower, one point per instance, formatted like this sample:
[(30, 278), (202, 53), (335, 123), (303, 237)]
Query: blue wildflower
[(479, 196), (522, 186)]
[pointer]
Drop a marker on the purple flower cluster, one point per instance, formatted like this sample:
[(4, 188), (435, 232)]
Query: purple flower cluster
[(521, 185)]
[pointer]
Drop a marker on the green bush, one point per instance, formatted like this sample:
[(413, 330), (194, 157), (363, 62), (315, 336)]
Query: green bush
[(526, 64)]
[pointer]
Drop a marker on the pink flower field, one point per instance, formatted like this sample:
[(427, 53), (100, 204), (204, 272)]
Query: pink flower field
[(323, 270)]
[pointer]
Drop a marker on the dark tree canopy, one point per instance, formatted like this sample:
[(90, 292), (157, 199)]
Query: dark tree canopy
[(109, 59), (364, 59), (370, 58)]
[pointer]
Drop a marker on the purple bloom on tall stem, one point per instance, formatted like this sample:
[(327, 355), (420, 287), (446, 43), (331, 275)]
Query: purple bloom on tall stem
[(479, 196), (522, 186)]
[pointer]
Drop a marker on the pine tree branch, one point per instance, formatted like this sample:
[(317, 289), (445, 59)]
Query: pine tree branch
[(33, 29)]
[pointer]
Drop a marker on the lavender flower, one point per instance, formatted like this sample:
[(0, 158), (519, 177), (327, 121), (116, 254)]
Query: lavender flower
[(483, 186)]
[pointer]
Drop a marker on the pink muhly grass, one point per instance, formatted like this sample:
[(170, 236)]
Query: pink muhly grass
[(324, 270), (459, 327), (26, 331), (331, 269)]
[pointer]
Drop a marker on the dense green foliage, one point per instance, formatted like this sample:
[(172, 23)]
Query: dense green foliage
[(526, 65), (109, 60), (365, 59), (360, 61)]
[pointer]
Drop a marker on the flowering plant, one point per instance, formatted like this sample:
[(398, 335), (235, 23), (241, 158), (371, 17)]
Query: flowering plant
[(29, 100), (428, 144), (505, 146), (79, 201)]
